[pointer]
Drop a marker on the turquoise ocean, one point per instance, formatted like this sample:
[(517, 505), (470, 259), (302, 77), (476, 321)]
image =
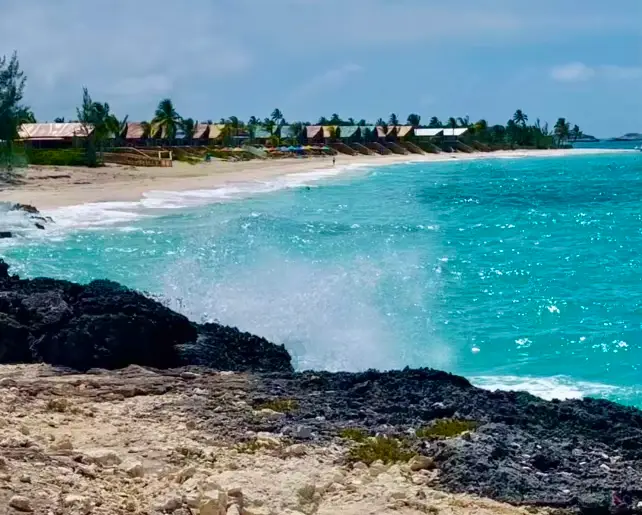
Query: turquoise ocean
[(519, 273)]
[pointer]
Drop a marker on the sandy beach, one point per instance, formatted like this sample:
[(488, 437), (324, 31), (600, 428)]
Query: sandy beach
[(52, 187)]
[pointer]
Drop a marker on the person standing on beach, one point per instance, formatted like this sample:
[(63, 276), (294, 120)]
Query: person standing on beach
[(333, 160)]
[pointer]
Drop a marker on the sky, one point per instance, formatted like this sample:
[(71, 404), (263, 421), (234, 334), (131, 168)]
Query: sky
[(359, 58)]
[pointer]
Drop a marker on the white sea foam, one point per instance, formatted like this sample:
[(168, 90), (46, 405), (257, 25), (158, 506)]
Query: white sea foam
[(328, 315), (94, 214), (155, 202), (549, 388)]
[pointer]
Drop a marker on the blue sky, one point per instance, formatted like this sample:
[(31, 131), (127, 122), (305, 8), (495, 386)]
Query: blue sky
[(359, 58)]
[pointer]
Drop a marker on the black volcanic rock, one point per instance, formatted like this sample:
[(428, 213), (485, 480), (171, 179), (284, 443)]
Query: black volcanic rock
[(230, 349), (105, 325)]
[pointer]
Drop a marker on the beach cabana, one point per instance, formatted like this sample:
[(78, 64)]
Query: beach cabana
[(261, 135), (404, 131), (348, 133), (330, 132), (382, 132), (135, 133), (53, 135), (216, 133), (367, 133), (200, 133), (430, 133), (453, 135), (314, 134)]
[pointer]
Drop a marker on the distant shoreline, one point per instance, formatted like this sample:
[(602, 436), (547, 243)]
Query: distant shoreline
[(55, 187)]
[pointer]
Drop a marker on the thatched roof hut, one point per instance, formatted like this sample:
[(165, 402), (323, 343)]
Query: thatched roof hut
[(314, 132), (348, 131), (53, 131), (382, 132), (134, 131), (200, 130), (403, 130), (216, 131)]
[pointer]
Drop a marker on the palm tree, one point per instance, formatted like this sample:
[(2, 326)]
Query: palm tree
[(269, 125), (335, 119), (393, 120), (59, 119), (166, 119), (296, 132), (350, 121), (96, 121), (117, 128), (414, 119), (362, 122), (188, 125), (520, 118), (452, 122), (380, 123), (253, 120), (276, 116), (576, 132), (561, 130), (323, 121), (147, 129), (480, 130), (464, 122), (434, 123), (512, 129), (234, 124)]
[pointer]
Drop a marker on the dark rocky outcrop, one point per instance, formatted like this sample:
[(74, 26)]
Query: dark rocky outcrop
[(105, 325), (578, 454), (31, 214), (26, 208), (581, 455)]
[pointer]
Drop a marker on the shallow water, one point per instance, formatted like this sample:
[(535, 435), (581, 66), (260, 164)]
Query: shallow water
[(519, 273)]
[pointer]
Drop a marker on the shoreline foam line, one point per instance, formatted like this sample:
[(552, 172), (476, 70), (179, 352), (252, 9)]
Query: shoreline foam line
[(132, 203)]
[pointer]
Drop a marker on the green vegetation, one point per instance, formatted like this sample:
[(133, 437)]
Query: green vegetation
[(106, 130), (280, 405), (355, 434), (166, 120), (12, 112), (447, 428), (57, 157), (251, 447), (97, 116), (388, 450)]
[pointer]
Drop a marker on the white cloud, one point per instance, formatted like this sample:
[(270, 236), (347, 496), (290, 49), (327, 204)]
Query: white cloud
[(331, 79), (124, 55), (572, 72), (580, 72)]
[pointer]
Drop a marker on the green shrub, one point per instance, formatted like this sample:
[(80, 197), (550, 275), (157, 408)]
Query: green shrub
[(447, 428), (280, 405), (57, 157), (388, 450), (353, 433)]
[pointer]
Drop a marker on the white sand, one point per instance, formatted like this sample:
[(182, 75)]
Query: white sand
[(51, 187)]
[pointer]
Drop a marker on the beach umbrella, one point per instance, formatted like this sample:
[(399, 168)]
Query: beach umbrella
[(283, 149), (292, 149)]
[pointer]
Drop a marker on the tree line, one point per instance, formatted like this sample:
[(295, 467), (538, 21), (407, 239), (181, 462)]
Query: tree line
[(167, 122)]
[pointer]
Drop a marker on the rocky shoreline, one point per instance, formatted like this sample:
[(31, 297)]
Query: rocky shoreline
[(580, 455)]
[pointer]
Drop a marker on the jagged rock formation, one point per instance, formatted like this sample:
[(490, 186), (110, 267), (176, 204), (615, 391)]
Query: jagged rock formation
[(105, 325)]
